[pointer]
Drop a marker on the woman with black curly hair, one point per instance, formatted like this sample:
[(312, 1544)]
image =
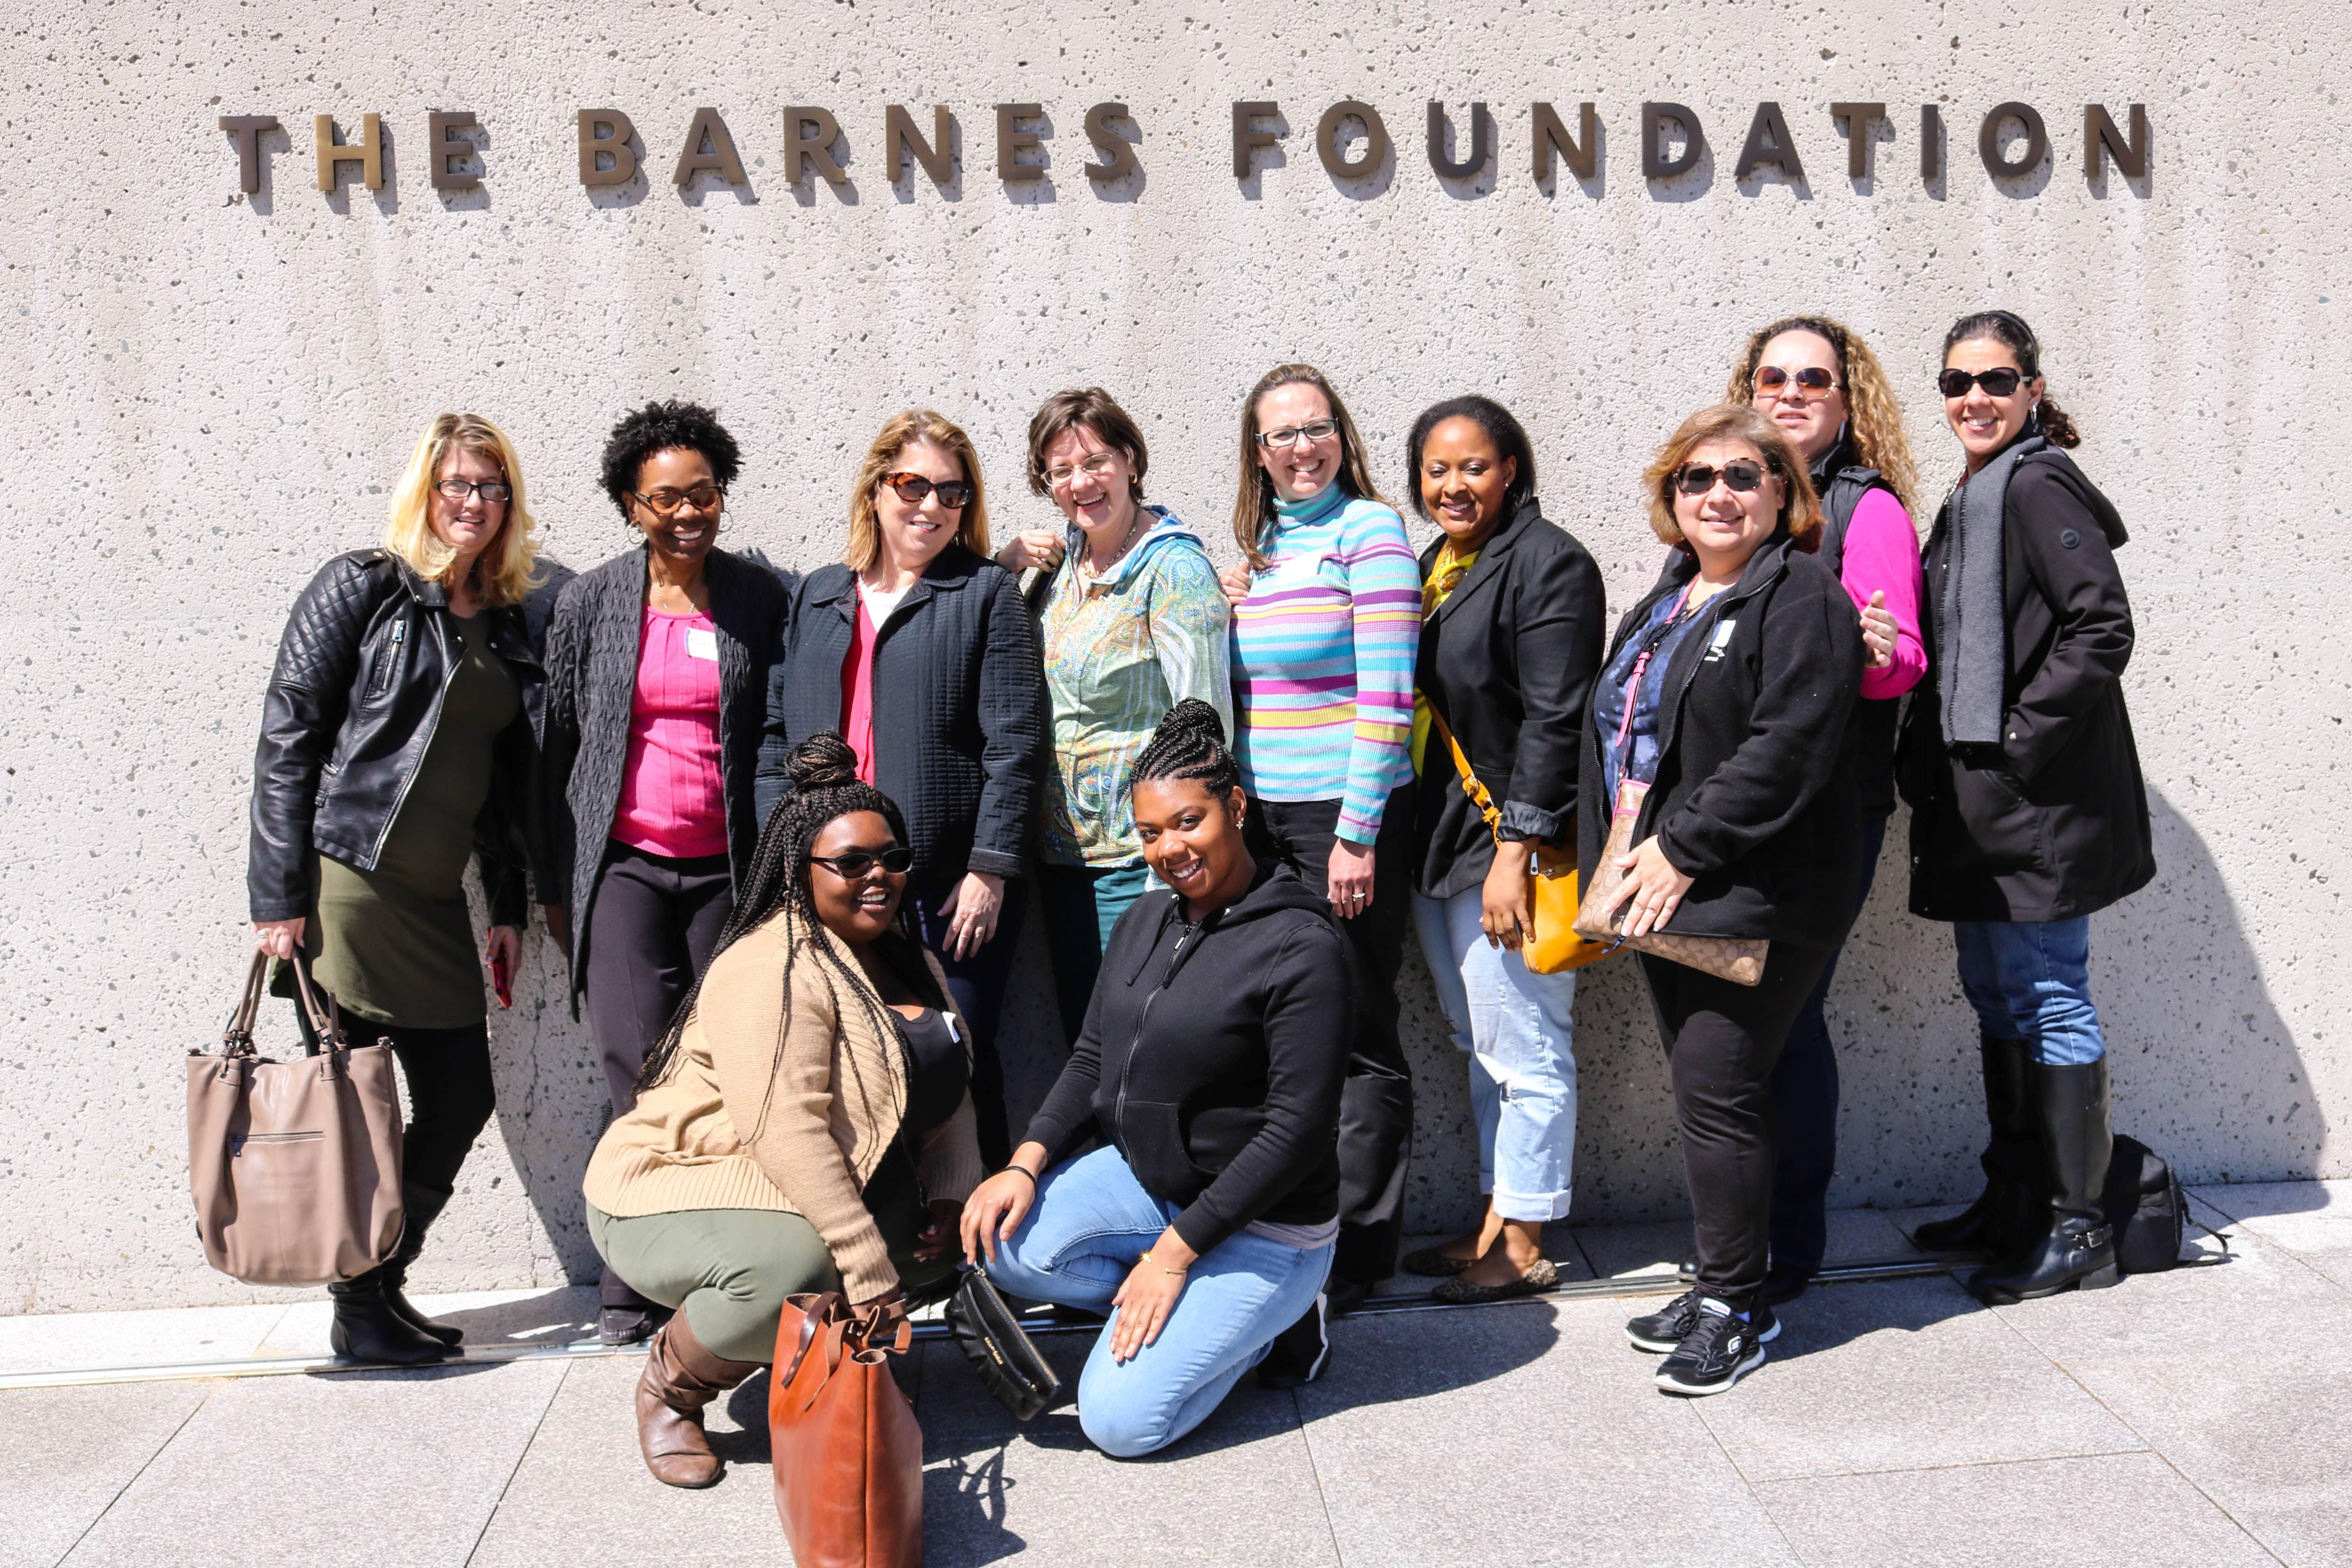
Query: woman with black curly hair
[(805, 1124), (657, 678)]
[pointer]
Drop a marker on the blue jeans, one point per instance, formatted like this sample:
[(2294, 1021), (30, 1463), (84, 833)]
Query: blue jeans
[(1090, 1222), (1514, 1025), (1081, 904), (2029, 980)]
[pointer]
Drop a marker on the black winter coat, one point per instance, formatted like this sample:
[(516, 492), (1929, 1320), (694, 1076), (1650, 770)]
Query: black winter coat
[(1212, 1055), (592, 646), (1755, 796), (2052, 823), (351, 708), (1508, 661), (958, 709)]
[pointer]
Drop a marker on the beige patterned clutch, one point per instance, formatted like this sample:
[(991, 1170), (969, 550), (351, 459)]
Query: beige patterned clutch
[(1739, 960)]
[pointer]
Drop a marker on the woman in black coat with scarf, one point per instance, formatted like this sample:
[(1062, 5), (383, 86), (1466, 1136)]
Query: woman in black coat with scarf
[(2029, 813), (657, 678), (920, 651), (1720, 723)]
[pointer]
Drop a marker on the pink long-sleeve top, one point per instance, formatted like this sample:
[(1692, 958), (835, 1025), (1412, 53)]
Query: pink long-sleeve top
[(673, 795), (1882, 551)]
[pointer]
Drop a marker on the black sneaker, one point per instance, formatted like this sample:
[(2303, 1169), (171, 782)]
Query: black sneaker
[(1720, 1349), (1662, 1331), (1300, 1352)]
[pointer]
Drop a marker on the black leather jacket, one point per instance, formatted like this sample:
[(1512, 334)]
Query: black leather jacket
[(351, 706)]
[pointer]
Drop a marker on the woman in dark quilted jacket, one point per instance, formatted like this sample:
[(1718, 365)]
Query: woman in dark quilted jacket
[(398, 740)]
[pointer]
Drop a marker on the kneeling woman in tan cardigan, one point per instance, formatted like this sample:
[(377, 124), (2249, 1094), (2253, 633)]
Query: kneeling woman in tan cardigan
[(806, 1125)]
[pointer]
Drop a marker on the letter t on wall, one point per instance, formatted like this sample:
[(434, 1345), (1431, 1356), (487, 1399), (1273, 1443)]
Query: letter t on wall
[(1860, 118), (247, 130)]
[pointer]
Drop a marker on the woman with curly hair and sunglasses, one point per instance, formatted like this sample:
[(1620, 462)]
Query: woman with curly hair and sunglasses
[(1821, 385), (919, 650), (806, 1122)]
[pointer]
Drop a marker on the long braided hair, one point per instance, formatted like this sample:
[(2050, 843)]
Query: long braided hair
[(825, 787), (1190, 743)]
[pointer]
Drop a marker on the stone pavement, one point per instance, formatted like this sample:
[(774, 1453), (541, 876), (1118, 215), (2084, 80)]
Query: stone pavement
[(2193, 1418)]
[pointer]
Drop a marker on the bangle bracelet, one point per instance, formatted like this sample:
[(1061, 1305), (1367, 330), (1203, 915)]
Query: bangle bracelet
[(1022, 1170), (1147, 1258)]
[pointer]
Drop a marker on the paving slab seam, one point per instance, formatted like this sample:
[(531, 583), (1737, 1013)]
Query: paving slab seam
[(145, 1464), (1797, 1476), (1698, 1413), (1315, 1473), (515, 1469)]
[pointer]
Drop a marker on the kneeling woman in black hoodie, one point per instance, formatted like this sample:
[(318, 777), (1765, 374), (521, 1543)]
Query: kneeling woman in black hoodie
[(1210, 1064), (1726, 696)]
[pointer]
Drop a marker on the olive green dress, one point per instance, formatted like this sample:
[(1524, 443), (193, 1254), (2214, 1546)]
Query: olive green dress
[(395, 944)]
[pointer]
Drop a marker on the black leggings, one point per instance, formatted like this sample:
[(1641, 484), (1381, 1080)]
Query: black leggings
[(1722, 1041), (450, 1097)]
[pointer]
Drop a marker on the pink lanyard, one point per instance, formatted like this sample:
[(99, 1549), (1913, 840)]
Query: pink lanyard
[(1641, 664)]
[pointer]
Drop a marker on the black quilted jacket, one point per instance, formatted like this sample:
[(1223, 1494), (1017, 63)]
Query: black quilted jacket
[(351, 708), (958, 709), (593, 647)]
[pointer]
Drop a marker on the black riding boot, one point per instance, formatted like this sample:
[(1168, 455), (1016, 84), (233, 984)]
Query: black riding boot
[(2077, 1246), (423, 1206), (367, 1328), (2008, 1213)]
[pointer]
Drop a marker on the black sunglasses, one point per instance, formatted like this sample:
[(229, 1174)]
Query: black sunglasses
[(1697, 478), (1999, 382), (857, 865), (1812, 381), (954, 494)]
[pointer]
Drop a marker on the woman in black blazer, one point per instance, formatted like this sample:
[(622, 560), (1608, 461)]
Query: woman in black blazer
[(919, 650), (1510, 638), (658, 678), (1724, 712)]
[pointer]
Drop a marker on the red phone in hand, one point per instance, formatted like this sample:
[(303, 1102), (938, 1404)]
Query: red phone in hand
[(501, 981)]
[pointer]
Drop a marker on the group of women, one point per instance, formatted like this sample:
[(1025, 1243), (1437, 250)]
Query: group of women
[(787, 830)]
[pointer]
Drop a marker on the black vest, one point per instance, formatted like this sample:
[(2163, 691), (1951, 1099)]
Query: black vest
[(1875, 719)]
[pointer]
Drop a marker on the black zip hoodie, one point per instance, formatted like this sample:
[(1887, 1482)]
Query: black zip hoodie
[(1755, 797), (1212, 1059)]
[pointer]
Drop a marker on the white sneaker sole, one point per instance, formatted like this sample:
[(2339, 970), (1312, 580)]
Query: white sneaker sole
[(1700, 1390)]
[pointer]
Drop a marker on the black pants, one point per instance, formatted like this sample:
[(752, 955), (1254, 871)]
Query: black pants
[(1722, 1041), (1805, 1110), (450, 1097), (652, 928), (1376, 1104), (976, 984)]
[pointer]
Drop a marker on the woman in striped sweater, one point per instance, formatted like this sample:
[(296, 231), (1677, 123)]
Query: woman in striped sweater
[(1326, 621)]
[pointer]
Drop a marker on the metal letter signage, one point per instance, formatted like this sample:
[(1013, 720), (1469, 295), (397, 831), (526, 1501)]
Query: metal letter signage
[(367, 151), (901, 140), (1481, 144), (444, 150), (1859, 117), (1583, 155), (605, 132), (1376, 140), (1247, 141), (809, 135), (2037, 142), (1118, 152), (1656, 165), (720, 159), (1768, 142), (1011, 142), (2099, 134), (247, 130)]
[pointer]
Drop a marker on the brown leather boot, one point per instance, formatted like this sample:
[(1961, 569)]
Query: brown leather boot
[(680, 1378)]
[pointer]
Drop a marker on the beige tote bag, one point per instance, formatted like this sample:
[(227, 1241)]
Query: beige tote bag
[(295, 1165)]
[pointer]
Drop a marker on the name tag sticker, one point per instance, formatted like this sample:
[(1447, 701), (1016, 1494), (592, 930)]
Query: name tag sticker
[(1721, 641), (701, 644)]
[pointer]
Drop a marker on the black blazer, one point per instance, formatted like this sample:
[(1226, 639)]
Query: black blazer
[(1755, 796), (1509, 659), (2051, 824), (592, 644), (958, 709)]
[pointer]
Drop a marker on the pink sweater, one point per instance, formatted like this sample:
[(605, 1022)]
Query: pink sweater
[(1882, 551), (673, 799)]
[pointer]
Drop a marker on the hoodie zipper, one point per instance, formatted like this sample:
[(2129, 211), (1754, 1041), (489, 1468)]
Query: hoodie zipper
[(1119, 1109)]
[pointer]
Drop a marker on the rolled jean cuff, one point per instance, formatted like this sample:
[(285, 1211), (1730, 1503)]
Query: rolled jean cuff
[(1530, 1208)]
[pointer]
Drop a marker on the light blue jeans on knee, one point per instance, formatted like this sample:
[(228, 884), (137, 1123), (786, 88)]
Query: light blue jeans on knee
[(2029, 980), (1090, 1222), (1513, 1025)]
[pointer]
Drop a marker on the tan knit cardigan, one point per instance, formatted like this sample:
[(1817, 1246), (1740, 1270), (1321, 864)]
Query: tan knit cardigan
[(754, 1114)]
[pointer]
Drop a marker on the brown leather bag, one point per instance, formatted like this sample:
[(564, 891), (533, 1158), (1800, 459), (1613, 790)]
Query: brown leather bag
[(294, 1165), (1739, 960), (848, 1456)]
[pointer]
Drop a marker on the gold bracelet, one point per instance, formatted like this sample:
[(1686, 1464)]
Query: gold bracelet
[(1147, 1258)]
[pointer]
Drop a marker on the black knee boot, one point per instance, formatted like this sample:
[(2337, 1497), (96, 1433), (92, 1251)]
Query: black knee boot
[(423, 1206), (2076, 1245), (2009, 1212)]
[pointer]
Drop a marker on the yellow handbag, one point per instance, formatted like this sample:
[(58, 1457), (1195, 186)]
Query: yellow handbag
[(1556, 948)]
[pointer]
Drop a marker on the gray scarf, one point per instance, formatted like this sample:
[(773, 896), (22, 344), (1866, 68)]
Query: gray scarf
[(1971, 616)]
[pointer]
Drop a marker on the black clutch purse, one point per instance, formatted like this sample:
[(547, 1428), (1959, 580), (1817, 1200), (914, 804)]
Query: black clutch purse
[(990, 1339)]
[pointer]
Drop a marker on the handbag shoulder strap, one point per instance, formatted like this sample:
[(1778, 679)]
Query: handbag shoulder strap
[(1477, 791)]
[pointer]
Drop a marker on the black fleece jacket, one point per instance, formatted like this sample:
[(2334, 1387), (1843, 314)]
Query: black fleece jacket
[(1212, 1059), (1755, 796)]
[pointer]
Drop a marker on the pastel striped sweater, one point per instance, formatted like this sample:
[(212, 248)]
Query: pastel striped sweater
[(1323, 654)]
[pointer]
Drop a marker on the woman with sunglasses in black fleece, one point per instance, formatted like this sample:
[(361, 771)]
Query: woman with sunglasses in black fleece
[(1724, 708), (920, 651)]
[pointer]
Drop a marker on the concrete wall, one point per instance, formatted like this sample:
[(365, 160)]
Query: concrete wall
[(210, 394)]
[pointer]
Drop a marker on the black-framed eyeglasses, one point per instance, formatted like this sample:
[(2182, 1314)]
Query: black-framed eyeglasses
[(1697, 478), (495, 492), (912, 489), (1314, 430), (1998, 381), (669, 503), (1812, 381), (857, 865)]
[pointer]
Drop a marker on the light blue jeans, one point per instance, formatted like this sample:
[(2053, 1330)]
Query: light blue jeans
[(1090, 1222), (2029, 980), (1513, 1025)]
